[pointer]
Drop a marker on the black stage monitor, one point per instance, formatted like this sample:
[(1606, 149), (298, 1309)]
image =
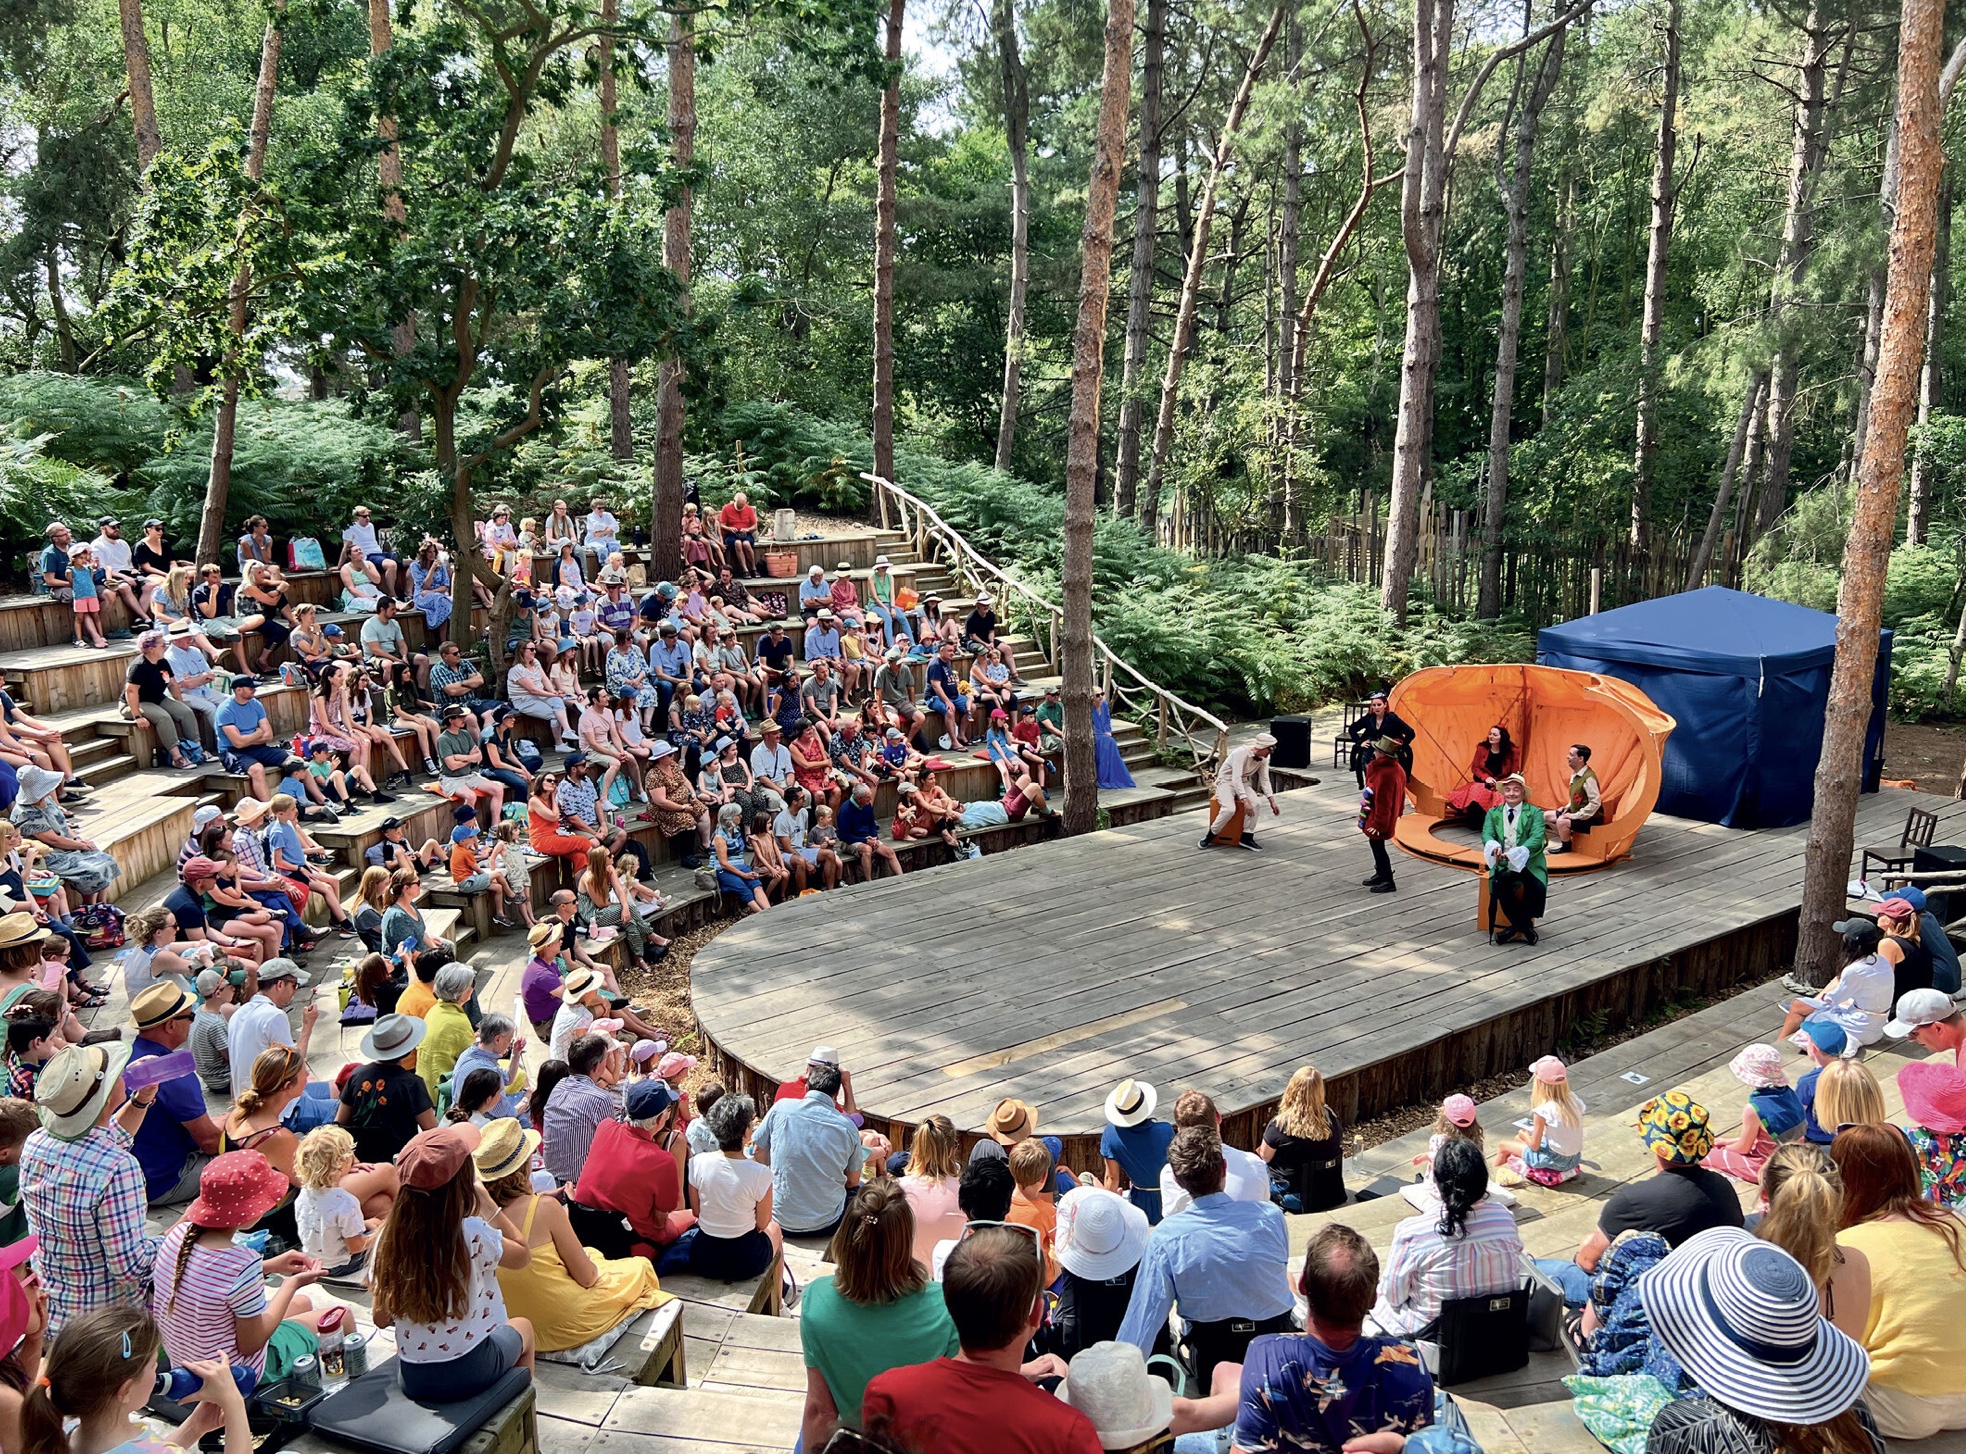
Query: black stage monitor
[(1293, 735)]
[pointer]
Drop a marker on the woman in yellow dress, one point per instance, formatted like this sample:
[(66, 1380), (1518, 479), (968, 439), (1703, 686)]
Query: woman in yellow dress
[(571, 1295)]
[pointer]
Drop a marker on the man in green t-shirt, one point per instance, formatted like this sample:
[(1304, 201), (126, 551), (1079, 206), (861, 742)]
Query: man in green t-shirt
[(1051, 722), (458, 760)]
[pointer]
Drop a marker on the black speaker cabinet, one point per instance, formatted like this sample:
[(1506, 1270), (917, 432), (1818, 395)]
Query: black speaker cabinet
[(1293, 735)]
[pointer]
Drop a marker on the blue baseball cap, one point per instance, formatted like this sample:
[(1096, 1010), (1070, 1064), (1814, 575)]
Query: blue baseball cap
[(649, 1098), (1825, 1034), (464, 832), (331, 630), (1912, 896)]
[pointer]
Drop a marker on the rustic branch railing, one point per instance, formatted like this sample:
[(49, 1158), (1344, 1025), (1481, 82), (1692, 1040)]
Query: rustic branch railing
[(1148, 703)]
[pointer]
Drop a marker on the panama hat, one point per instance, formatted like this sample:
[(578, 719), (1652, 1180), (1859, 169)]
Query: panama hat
[(504, 1147), (580, 984), (1110, 1385), (1131, 1102), (20, 928), (160, 1003), (393, 1037), (75, 1085), (1100, 1233), (1743, 1317)]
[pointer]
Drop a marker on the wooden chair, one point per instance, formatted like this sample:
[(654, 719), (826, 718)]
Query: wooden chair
[(1341, 745), (1919, 828)]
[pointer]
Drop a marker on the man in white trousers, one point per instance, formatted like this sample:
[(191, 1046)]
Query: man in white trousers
[(1244, 777)]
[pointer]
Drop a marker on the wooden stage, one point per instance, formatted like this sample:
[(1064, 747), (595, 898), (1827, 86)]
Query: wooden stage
[(1053, 972)]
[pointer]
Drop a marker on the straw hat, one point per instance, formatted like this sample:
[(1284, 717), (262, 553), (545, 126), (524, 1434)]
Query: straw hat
[(20, 928), (160, 1003), (1012, 1121), (503, 1148)]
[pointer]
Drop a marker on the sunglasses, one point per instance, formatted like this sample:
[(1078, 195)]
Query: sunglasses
[(1037, 1241)]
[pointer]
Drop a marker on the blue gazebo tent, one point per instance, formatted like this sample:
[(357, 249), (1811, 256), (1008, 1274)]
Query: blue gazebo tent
[(1747, 679)]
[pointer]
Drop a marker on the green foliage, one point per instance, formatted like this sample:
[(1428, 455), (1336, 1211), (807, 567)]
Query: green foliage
[(109, 424), (37, 487)]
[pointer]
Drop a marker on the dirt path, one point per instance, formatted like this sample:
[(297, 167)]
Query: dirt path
[(1930, 754)]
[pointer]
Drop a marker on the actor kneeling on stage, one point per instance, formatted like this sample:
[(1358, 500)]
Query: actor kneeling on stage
[(1245, 777), (1379, 807), (1512, 846)]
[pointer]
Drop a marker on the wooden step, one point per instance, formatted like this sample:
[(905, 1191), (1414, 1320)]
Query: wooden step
[(28, 622), (138, 824)]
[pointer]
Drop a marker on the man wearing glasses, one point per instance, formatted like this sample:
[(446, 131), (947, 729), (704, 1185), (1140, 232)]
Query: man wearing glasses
[(178, 1137), (359, 542)]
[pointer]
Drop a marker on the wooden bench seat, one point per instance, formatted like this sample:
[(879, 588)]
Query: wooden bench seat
[(137, 826)]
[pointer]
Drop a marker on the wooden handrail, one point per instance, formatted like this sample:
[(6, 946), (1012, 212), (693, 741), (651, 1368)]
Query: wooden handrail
[(1168, 710)]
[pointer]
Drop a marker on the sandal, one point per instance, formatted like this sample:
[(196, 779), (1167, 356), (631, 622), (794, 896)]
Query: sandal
[(90, 1002)]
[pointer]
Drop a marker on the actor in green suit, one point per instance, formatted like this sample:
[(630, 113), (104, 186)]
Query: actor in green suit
[(1512, 847)]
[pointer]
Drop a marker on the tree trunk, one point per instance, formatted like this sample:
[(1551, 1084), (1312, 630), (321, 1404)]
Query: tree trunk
[(1288, 224), (143, 101), (1931, 392), (1867, 551), (211, 522), (889, 162), (58, 305), (1423, 193), (1653, 324), (1082, 449), (621, 433), (666, 510), (1016, 127), (1730, 472), (1808, 150), (389, 179), (1515, 207), (1184, 318), (1556, 328), (1140, 283)]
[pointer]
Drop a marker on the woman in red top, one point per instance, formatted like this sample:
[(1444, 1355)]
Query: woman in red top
[(1379, 810), (1494, 759)]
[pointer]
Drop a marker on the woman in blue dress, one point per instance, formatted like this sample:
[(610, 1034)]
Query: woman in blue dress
[(430, 587), (1112, 766)]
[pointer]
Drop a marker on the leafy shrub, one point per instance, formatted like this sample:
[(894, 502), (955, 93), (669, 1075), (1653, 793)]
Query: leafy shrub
[(36, 488), (112, 425)]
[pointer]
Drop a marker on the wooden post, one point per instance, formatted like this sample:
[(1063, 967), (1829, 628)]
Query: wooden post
[(1597, 586), (880, 499)]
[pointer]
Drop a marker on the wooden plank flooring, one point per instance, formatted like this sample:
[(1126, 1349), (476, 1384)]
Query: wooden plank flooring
[(1052, 974)]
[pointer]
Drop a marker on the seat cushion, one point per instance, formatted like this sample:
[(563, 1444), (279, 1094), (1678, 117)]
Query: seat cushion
[(373, 1412)]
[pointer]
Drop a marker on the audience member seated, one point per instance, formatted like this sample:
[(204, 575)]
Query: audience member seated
[(736, 1234), (1101, 1238), (1933, 1021), (570, 1294), (1334, 1385), (436, 1274), (1554, 1148), (385, 1104), (1934, 1094), (878, 1311), (1248, 1176), (983, 1196), (1847, 1094), (1900, 1287), (982, 1401), (1305, 1147), (1859, 998), (1742, 1318), (814, 1153), (1932, 934), (177, 1138), (448, 1031), (1031, 1205), (580, 1103), (1902, 948), (1772, 1117), (932, 1182), (1822, 1040), (1472, 1247), (1224, 1263), (633, 1174), (1681, 1198)]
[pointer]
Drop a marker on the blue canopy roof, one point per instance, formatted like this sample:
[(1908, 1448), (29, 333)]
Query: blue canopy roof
[(1710, 630)]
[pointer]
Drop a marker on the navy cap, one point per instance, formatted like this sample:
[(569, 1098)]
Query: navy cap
[(649, 1098)]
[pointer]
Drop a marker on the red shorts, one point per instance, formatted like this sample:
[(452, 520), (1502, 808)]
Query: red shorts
[(87, 605)]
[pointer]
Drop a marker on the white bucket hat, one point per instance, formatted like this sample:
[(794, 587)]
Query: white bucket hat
[(1110, 1385), (75, 1085), (1100, 1233), (1131, 1102)]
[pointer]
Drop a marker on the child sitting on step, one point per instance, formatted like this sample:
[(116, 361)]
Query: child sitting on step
[(1459, 1120), (333, 1230), (1553, 1151)]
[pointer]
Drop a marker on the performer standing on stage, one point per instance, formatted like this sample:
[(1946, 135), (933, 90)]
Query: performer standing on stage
[(1383, 799), (1380, 720), (1512, 847), (1245, 777)]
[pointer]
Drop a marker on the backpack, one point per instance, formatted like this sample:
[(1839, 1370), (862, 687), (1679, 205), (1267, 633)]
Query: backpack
[(304, 553), (100, 926)]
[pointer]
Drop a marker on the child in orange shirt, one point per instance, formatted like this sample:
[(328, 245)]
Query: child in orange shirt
[(466, 873), (1031, 1205)]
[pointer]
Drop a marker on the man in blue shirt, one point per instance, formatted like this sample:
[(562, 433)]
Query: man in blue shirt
[(1135, 1144), (1225, 1263), (814, 592), (814, 1154), (945, 695), (1332, 1387), (55, 574), (670, 663), (860, 833), (823, 640), (177, 1137), (245, 736)]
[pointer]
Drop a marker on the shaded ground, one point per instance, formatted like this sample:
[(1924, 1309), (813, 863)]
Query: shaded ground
[(1928, 753)]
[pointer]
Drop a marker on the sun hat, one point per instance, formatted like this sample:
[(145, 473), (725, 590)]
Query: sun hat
[(503, 1147), (15, 1253), (1678, 1123), (204, 817), (16, 1313), (1110, 1385), (643, 1051), (250, 810), (37, 782), (281, 969), (393, 1037), (1549, 1070), (607, 1026), (823, 1055), (1459, 1110), (1825, 1034), (236, 1189), (75, 1085), (647, 1099), (160, 1003), (673, 1064), (1934, 1092), (1131, 1102), (660, 749), (544, 930), (20, 928), (1917, 1008), (433, 1157), (1743, 1317), (580, 984), (1759, 1066), (1012, 1121), (1100, 1233)]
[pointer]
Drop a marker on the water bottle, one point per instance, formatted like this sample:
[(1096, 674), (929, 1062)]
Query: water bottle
[(178, 1384), (331, 1331)]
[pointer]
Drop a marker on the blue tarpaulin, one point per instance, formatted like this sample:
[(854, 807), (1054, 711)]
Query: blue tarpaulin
[(1746, 678)]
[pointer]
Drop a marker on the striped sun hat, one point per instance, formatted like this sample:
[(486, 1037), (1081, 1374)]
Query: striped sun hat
[(1744, 1318)]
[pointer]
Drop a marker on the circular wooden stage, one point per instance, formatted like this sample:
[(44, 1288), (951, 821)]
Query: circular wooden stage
[(1052, 972)]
